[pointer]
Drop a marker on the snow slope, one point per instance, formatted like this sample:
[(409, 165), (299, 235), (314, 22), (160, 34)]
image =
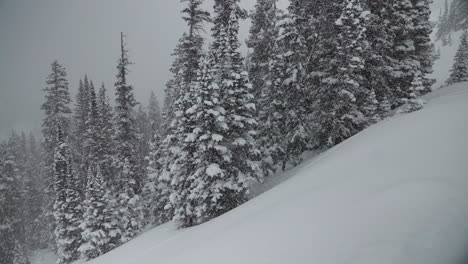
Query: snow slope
[(42, 256), (395, 193)]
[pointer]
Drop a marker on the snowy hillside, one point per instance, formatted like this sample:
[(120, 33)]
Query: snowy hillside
[(395, 193)]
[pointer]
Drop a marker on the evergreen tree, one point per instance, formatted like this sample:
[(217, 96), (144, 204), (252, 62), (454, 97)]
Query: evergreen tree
[(99, 226), (80, 127), (56, 107), (92, 133), (187, 53), (35, 226), (128, 182), (156, 191), (378, 58), (179, 165), (345, 100), (198, 167), (221, 182), (57, 112), (421, 36), (11, 227), (262, 39), (412, 59), (105, 131), (304, 49), (17, 150), (285, 131), (67, 206), (459, 71), (144, 135)]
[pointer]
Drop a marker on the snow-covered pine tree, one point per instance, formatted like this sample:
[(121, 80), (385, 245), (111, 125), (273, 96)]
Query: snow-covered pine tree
[(378, 57), (99, 226), (80, 113), (144, 135), (57, 111), (263, 41), (223, 184), (128, 182), (106, 131), (67, 206), (459, 71), (404, 66), (187, 54), (156, 192), (304, 48), (97, 144), (91, 134), (344, 99), (154, 210), (79, 129), (35, 227), (11, 227), (282, 135), (8, 194), (409, 26), (421, 35), (200, 150), (56, 108), (180, 159), (18, 157)]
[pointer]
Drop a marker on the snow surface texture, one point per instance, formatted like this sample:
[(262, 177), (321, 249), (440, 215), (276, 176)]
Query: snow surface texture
[(395, 193), (43, 256)]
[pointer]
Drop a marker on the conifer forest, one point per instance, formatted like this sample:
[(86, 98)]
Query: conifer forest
[(237, 113)]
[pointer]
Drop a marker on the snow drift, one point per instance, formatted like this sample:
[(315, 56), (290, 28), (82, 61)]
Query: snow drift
[(395, 193)]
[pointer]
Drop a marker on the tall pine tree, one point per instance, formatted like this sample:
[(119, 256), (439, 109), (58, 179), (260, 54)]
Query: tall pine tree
[(221, 182), (105, 133), (67, 206), (262, 40), (129, 181), (187, 54), (57, 112), (344, 99)]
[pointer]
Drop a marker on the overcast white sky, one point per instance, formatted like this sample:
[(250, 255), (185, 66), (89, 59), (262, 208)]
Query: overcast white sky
[(84, 36)]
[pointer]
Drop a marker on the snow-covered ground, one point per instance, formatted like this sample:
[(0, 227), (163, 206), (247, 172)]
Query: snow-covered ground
[(42, 257), (395, 193)]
